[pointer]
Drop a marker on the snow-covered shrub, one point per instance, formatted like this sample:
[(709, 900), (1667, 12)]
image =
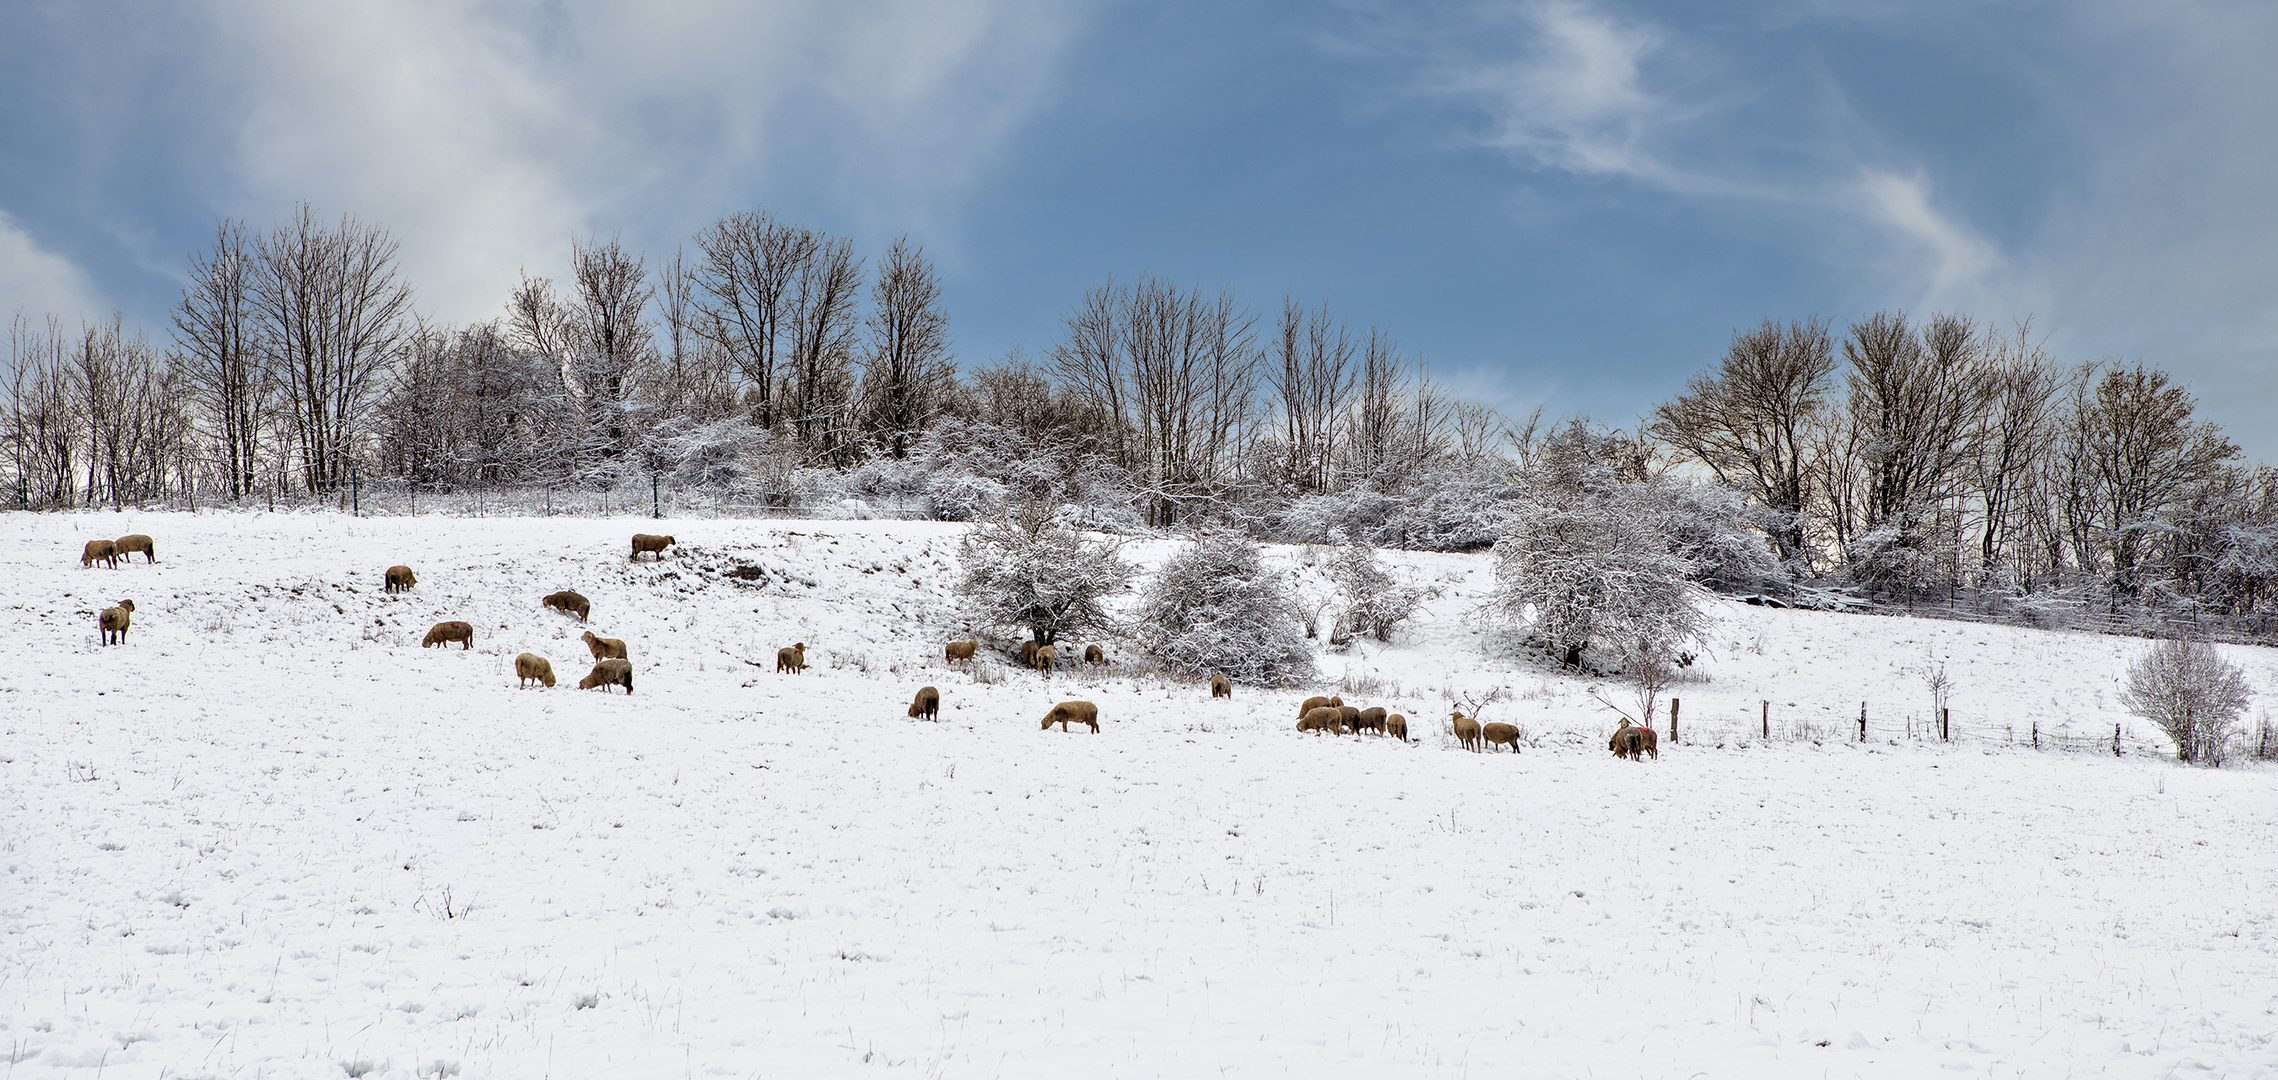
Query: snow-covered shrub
[(1717, 530), (2192, 694), (1374, 604), (1586, 572), (964, 497), (1216, 609), (1039, 577)]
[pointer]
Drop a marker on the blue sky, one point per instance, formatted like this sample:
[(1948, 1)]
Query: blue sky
[(1566, 202)]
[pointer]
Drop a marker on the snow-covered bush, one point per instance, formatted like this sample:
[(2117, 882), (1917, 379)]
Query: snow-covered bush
[(1216, 609), (2192, 694), (1585, 572), (1374, 603), (1039, 577)]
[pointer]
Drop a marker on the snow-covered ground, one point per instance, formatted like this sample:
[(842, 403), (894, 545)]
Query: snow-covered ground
[(271, 836)]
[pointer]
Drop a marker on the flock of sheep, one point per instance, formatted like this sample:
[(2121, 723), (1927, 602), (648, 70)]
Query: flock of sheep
[(612, 666)]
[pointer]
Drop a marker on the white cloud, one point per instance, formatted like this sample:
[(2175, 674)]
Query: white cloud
[(486, 135), (37, 281), (1956, 257)]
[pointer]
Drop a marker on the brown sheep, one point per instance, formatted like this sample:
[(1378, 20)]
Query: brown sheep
[(1348, 716), (569, 603), (400, 579), (609, 673), (1324, 718), (605, 648), (1311, 704), (1077, 712), (927, 704), (652, 544), (100, 551), (1635, 742), (133, 542), (1466, 730), (444, 633), (1028, 653), (1501, 734), (532, 667), (793, 659), (1396, 726), (1221, 686), (1093, 654), (113, 622), (960, 650), (1046, 656), (1370, 720)]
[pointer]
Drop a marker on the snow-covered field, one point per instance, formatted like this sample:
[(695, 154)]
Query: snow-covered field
[(271, 836)]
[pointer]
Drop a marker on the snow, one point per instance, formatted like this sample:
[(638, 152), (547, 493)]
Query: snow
[(271, 836)]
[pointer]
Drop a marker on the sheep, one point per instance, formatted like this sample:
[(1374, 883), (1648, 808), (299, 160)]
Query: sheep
[(960, 650), (113, 622), (133, 542), (1093, 654), (1324, 718), (605, 648), (1396, 726), (1348, 717), (1045, 656), (569, 603), (1370, 720), (1635, 742), (444, 633), (533, 668), (400, 579), (927, 704), (793, 659), (1028, 654), (653, 544), (1466, 730), (1078, 712), (1311, 704), (1501, 734), (100, 551), (1221, 686), (608, 673)]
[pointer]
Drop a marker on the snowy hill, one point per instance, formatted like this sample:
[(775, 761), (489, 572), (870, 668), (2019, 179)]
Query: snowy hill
[(270, 835)]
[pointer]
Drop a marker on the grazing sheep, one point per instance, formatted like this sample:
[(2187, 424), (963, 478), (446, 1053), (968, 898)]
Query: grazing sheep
[(1078, 712), (133, 542), (1324, 718), (444, 633), (1028, 654), (1466, 730), (609, 673), (960, 650), (793, 659), (1633, 742), (534, 668), (1348, 716), (927, 705), (570, 603), (1396, 726), (1221, 686), (1501, 734), (1046, 655), (605, 648), (113, 622), (100, 551), (652, 544), (401, 579), (1370, 720), (1094, 655), (1311, 704)]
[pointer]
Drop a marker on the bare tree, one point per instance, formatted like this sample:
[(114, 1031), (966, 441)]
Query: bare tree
[(1310, 366), (43, 419), (750, 261), (697, 379), (215, 328), (1751, 421), (2192, 693), (820, 314), (907, 372), (333, 316), (2137, 451), (2014, 446)]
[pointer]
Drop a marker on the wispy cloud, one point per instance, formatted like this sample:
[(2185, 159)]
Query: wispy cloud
[(1950, 254), (38, 281)]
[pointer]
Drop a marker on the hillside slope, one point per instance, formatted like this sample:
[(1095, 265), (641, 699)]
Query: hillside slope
[(271, 835)]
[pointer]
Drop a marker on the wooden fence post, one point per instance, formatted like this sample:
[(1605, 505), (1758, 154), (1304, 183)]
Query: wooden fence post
[(2115, 740), (1672, 720), (1945, 725), (1862, 721), (1767, 721)]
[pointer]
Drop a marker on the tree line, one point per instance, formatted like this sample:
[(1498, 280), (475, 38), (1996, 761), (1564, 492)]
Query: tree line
[(1901, 455)]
